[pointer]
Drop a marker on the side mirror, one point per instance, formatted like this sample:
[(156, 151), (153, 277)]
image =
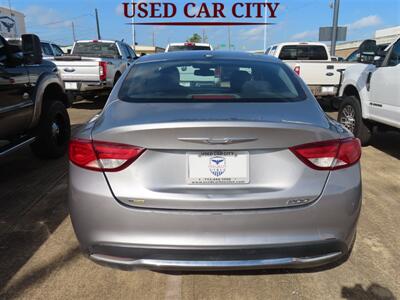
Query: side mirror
[(32, 49), (367, 50)]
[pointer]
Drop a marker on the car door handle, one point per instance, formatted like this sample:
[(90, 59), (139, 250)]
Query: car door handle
[(329, 74)]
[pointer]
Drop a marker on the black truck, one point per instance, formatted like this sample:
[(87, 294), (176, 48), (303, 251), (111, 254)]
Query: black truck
[(33, 103)]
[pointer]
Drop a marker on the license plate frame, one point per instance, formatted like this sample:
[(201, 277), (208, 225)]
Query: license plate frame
[(71, 85), (218, 167)]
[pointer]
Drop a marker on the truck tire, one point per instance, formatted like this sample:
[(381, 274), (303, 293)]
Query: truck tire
[(350, 116), (53, 132)]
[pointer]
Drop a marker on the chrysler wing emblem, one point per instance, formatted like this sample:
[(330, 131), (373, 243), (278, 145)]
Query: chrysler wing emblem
[(218, 141)]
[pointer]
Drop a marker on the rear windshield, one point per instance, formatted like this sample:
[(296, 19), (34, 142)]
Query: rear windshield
[(199, 81), (303, 52), (96, 49), (187, 48)]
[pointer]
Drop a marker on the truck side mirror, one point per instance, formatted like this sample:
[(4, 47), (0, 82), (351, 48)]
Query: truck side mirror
[(367, 51), (32, 49)]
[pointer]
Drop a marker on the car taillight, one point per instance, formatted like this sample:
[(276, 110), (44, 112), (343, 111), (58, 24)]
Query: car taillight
[(102, 156), (297, 70), (103, 70), (329, 155)]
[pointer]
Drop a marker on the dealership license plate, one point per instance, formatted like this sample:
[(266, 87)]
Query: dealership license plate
[(71, 85), (218, 167), (328, 89)]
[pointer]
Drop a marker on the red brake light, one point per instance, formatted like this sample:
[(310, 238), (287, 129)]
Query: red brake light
[(102, 156), (297, 70), (103, 70), (329, 155), (189, 44)]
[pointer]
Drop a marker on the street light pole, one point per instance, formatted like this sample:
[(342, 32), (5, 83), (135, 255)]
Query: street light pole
[(97, 24), (335, 27), (73, 31)]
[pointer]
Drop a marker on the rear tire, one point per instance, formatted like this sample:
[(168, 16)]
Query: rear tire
[(53, 132), (350, 116)]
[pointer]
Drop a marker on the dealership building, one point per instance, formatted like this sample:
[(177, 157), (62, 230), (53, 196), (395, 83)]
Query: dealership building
[(12, 22), (382, 37)]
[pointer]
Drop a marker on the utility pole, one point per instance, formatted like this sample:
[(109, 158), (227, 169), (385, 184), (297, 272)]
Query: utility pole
[(73, 31), (11, 16), (133, 33), (154, 39), (335, 27), (97, 24), (265, 27), (204, 36), (229, 37)]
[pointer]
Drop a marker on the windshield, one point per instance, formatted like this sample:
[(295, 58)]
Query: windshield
[(187, 48), (210, 81), (96, 49)]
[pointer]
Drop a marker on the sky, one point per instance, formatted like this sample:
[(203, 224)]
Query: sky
[(297, 20)]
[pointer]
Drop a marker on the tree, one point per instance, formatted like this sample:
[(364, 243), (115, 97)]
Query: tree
[(195, 38)]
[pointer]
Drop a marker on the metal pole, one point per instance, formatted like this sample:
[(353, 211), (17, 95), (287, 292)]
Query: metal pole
[(229, 37), (154, 39), (73, 31), (265, 27), (11, 16), (335, 27), (97, 24)]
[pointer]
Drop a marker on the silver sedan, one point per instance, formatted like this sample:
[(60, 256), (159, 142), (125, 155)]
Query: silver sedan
[(212, 161)]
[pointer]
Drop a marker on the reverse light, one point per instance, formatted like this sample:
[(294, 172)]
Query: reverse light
[(102, 156), (103, 70), (329, 155)]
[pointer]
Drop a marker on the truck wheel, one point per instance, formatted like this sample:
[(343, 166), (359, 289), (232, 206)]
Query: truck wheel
[(350, 116), (53, 132)]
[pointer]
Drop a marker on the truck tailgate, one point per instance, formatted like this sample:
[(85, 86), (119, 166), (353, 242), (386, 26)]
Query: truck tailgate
[(82, 70), (317, 73)]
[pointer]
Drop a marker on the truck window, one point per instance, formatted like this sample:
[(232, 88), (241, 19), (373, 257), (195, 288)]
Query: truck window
[(95, 49), (46, 49), (394, 59), (57, 50), (303, 52), (124, 50), (273, 49)]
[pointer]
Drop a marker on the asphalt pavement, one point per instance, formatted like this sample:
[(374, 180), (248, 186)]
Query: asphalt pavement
[(40, 256)]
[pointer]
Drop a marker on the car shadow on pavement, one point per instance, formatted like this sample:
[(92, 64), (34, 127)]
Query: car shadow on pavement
[(388, 142), (95, 104), (33, 203), (373, 292), (17, 288)]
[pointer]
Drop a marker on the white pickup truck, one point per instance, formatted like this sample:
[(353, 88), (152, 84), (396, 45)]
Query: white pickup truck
[(370, 93), (313, 63), (94, 66)]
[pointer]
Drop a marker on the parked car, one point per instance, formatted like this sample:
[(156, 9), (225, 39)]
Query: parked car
[(94, 66), (49, 49), (187, 46), (313, 63), (32, 101), (371, 94), (252, 174)]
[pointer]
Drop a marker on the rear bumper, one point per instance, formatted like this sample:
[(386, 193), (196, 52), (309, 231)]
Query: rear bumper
[(278, 256), (89, 86), (323, 91), (297, 237)]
